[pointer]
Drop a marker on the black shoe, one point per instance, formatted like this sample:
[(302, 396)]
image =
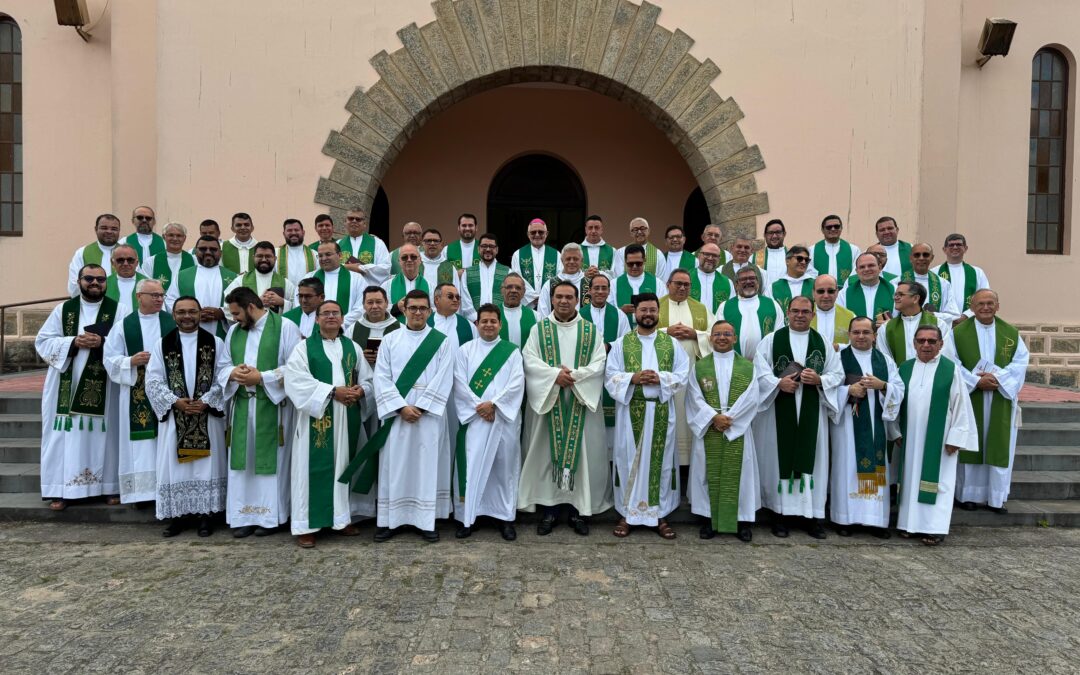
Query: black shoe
[(383, 534), (430, 536), (266, 531), (206, 528), (545, 526), (816, 530), (463, 532), (175, 527), (880, 532), (1000, 510), (241, 532), (779, 530), (745, 533), (580, 525), (508, 531), (969, 506), (843, 531), (706, 531)]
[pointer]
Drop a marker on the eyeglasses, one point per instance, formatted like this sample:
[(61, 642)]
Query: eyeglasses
[(451, 296), (125, 261), (675, 235), (639, 229), (955, 244), (824, 291), (144, 219), (537, 233), (354, 219), (410, 257), (832, 227), (727, 334), (330, 314), (899, 295), (307, 296), (637, 263), (206, 249), (155, 296), (801, 258), (922, 255), (926, 341), (414, 309), (433, 241), (93, 280), (680, 284)]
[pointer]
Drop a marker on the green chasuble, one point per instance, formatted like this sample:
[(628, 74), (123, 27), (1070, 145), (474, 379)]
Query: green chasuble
[(366, 462), (446, 272), (112, 288), (566, 421), (652, 254), (473, 285), (230, 256), (185, 281), (157, 244), (478, 384), (869, 433), (723, 458), (935, 428), (321, 455), (525, 325), (856, 298), (277, 280), (995, 436), (283, 260), (605, 259), (525, 262), (698, 314), (92, 255), (143, 424), (781, 291), (665, 358), (269, 434), (88, 399), (163, 273), (844, 262), (454, 255), (624, 291), (366, 250), (722, 289), (896, 338), (687, 262), (971, 282), (610, 334), (398, 289), (797, 426), (766, 315)]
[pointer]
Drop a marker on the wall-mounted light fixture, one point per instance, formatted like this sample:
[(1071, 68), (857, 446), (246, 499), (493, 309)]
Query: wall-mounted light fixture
[(996, 38)]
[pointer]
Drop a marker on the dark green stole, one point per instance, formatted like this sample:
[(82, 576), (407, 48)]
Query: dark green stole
[(163, 273), (781, 292), (933, 288), (903, 249), (971, 281), (566, 421), (723, 458), (321, 454), (112, 288), (883, 299), (343, 296), (446, 272), (366, 462), (935, 428), (366, 254), (185, 281), (296, 315), (283, 260), (721, 288), (686, 262), (473, 285), (896, 337), (605, 256), (230, 257), (462, 327), (157, 244), (611, 334), (526, 323), (89, 397), (397, 286), (361, 333), (478, 384), (665, 359), (277, 280), (454, 255), (624, 291), (766, 315), (995, 438), (797, 430), (269, 434), (525, 262), (844, 262), (143, 422), (192, 430), (869, 434)]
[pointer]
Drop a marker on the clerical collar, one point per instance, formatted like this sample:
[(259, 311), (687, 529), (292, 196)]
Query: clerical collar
[(569, 321), (244, 244), (888, 246), (913, 317), (751, 298), (260, 322), (387, 320), (174, 255), (490, 342), (826, 311), (517, 308), (933, 360), (586, 243), (631, 276), (417, 330), (727, 356), (444, 316), (984, 326), (147, 316), (798, 332), (873, 285), (335, 271), (539, 248), (778, 248), (489, 265), (650, 336), (599, 307), (677, 303), (861, 351), (93, 303)]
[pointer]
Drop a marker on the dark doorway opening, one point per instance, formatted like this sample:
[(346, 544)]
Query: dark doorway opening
[(535, 186), (379, 219), (695, 217)]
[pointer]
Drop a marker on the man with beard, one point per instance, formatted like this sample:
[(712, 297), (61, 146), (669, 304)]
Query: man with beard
[(597, 255), (483, 281), (237, 253), (655, 263), (273, 288), (295, 260), (332, 389), (309, 295), (797, 376), (570, 270), (144, 240), (407, 278), (166, 265), (537, 263), (795, 281), (120, 286), (488, 388), (708, 286), (939, 295), (832, 255), (361, 252), (77, 458), (830, 319), (517, 321), (411, 234), (899, 252), (339, 284), (461, 253), (257, 345), (182, 386), (724, 489), (206, 283), (99, 252), (126, 356), (753, 316), (644, 372), (566, 458), (775, 258)]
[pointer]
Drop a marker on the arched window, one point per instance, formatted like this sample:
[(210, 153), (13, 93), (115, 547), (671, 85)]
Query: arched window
[(1047, 153)]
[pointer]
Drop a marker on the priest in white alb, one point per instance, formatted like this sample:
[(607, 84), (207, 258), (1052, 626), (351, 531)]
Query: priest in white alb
[(536, 262), (753, 315), (278, 294), (206, 282), (569, 270), (517, 320), (830, 319), (164, 266), (309, 295)]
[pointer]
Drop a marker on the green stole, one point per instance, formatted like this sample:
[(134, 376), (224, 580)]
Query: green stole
[(721, 288), (185, 282), (112, 288), (605, 259), (665, 358), (883, 299), (935, 427), (761, 258), (869, 435), (192, 430), (526, 323), (781, 292), (698, 314), (89, 397), (344, 287), (321, 455), (446, 272), (92, 255), (269, 434), (723, 458), (895, 336), (366, 253), (687, 261), (283, 260), (624, 291), (277, 280), (157, 244), (454, 254), (566, 421), (462, 327), (797, 430), (842, 317), (296, 314), (366, 461), (903, 249), (995, 438), (971, 280), (230, 256), (143, 422), (525, 262), (163, 273), (361, 333), (478, 384), (397, 287), (766, 314), (933, 288), (652, 254), (611, 333), (844, 263), (395, 263), (472, 283)]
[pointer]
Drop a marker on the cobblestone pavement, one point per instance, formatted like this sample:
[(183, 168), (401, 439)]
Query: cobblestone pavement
[(116, 598)]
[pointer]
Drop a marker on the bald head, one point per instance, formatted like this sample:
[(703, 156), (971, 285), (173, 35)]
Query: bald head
[(825, 291)]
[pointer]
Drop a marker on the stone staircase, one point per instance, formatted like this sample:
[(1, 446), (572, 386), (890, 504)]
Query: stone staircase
[(1045, 488)]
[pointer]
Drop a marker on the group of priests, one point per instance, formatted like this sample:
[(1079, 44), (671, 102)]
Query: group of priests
[(314, 384)]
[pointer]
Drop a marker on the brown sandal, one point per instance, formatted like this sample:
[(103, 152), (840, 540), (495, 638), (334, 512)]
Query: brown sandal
[(932, 539), (664, 530), (114, 500), (622, 529), (58, 505)]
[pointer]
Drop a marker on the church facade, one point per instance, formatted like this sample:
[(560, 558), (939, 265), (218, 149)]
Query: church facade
[(680, 111)]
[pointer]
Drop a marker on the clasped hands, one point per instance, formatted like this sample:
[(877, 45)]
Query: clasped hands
[(681, 331), (348, 395), (987, 381), (860, 388), (565, 378), (789, 384), (410, 413), (645, 377), (190, 406), (486, 411), (721, 422), (245, 375), (87, 341)]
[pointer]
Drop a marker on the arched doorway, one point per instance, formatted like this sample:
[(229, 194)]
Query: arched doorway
[(379, 218), (695, 218), (535, 186)]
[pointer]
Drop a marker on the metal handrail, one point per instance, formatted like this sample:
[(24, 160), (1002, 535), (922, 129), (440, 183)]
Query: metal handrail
[(3, 316)]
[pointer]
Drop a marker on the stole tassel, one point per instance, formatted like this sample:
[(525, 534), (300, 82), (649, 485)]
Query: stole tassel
[(67, 423), (80, 423), (90, 423)]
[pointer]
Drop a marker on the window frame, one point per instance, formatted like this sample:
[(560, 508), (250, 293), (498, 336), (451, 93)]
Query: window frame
[(16, 188), (1040, 153)]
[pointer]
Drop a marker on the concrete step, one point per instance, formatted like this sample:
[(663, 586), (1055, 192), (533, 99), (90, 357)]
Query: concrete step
[(1036, 413), (1035, 512), (30, 506), (1042, 458), (1049, 433), (1046, 485), (20, 477), (20, 403), (20, 425), (15, 450)]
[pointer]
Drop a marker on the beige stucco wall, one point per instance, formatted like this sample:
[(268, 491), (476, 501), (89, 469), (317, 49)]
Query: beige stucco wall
[(859, 107)]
